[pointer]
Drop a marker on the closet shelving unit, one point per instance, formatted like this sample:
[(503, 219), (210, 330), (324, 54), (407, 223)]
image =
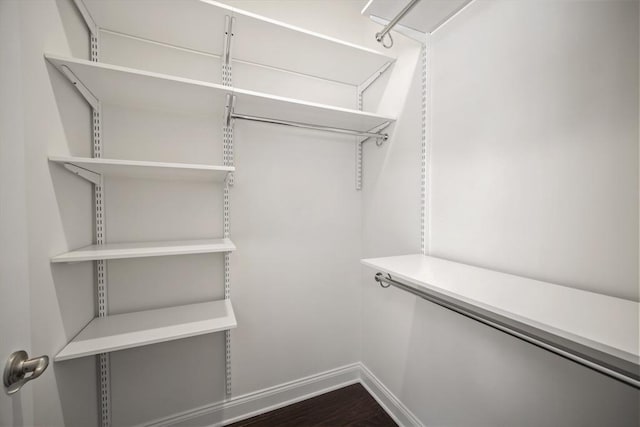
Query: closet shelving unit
[(227, 35)]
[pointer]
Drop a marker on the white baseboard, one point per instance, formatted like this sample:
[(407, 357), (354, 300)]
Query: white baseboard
[(389, 402), (252, 404)]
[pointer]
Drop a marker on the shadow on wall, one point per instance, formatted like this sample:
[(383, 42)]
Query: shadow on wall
[(76, 379), (451, 369), (74, 289)]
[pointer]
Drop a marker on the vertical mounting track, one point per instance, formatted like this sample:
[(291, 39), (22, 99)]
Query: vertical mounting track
[(360, 92), (99, 214), (423, 152), (227, 130), (359, 149), (100, 237)]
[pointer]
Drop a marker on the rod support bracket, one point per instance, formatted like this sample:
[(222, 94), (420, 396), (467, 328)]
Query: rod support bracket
[(379, 277), (229, 110)]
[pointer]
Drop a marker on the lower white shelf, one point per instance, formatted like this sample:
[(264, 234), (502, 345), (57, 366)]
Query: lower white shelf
[(122, 331), (145, 249)]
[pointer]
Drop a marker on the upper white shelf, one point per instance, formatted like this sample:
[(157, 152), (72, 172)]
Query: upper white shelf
[(256, 39), (425, 17), (145, 249), (118, 85), (604, 323), (147, 170), (121, 331)]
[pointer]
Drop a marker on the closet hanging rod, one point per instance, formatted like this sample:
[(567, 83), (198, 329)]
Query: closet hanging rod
[(382, 136), (615, 367), (380, 35)]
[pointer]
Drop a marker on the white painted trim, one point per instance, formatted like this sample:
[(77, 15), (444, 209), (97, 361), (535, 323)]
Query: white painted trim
[(259, 402), (389, 402)]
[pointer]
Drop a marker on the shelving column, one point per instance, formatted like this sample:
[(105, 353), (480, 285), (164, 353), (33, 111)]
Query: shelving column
[(100, 237), (227, 131)]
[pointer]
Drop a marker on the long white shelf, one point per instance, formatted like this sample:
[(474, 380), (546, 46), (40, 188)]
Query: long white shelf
[(607, 324), (112, 84), (426, 16), (145, 249), (146, 170), (279, 45), (122, 331)]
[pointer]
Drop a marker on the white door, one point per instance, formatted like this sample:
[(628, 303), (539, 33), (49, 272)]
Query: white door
[(17, 409)]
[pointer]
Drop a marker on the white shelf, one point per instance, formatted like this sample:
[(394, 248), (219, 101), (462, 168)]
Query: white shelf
[(112, 84), (280, 46), (122, 331), (147, 170), (425, 17), (145, 249), (117, 85), (604, 323)]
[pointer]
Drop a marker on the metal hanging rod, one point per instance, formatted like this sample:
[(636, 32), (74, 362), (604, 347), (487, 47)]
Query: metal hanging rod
[(612, 366), (374, 135), (380, 35)]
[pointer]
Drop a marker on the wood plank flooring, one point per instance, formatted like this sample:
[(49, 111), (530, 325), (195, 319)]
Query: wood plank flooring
[(348, 406)]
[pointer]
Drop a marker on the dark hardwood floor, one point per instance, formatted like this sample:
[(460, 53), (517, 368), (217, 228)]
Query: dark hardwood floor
[(348, 406)]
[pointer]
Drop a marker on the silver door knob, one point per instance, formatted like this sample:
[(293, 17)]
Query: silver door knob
[(20, 369)]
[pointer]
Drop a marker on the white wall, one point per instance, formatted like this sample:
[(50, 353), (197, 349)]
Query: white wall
[(535, 154), (14, 257), (58, 215), (534, 171)]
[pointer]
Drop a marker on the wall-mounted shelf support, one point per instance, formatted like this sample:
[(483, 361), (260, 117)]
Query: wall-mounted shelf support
[(86, 15), (361, 88), (92, 177), (228, 38), (84, 91)]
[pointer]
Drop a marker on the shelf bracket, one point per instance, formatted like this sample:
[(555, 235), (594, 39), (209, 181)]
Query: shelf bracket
[(84, 91), (88, 20), (362, 87), (94, 178), (228, 37), (226, 51)]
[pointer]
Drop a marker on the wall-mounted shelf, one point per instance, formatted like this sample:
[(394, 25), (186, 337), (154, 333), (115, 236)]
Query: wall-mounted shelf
[(121, 331), (117, 85), (602, 331), (144, 169), (425, 17), (145, 249), (286, 47)]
